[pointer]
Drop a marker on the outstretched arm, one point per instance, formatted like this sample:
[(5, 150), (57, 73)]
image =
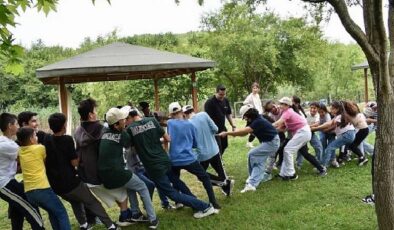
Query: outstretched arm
[(238, 132)]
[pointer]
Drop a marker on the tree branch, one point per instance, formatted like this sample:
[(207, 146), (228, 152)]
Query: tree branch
[(353, 29)]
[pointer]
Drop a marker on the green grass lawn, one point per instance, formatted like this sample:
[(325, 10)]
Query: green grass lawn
[(311, 202)]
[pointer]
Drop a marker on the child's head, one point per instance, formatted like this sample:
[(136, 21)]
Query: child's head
[(28, 119), (255, 87), (313, 108), (26, 136), (8, 123), (57, 122), (322, 109)]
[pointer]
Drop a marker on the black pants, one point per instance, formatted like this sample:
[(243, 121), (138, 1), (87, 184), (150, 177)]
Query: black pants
[(222, 143), (216, 163), (283, 143), (304, 152), (19, 207), (81, 198), (360, 136), (196, 169)]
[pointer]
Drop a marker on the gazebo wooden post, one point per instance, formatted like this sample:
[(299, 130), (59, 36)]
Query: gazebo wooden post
[(157, 105), (366, 85), (65, 103), (194, 91)]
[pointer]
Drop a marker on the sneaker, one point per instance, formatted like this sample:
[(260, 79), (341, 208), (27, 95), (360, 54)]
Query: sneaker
[(370, 199), (86, 226), (324, 172), (125, 220), (249, 145), (168, 207), (227, 189), (153, 224), (286, 178), (216, 206), (179, 205), (247, 188), (201, 214), (362, 161), (139, 217), (334, 164), (114, 227)]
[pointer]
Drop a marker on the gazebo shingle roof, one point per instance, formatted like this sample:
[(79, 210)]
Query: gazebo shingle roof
[(121, 61)]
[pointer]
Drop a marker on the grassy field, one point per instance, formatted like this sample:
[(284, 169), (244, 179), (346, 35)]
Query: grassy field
[(311, 202)]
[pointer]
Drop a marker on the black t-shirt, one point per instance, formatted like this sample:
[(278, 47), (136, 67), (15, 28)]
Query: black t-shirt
[(218, 110), (263, 129), (61, 174)]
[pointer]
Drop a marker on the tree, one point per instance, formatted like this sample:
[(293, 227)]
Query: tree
[(8, 10), (374, 43), (249, 47)]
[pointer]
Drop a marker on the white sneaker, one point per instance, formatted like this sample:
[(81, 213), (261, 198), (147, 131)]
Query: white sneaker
[(248, 187), (249, 145), (201, 214)]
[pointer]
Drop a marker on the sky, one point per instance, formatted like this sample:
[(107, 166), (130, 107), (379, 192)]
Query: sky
[(75, 20)]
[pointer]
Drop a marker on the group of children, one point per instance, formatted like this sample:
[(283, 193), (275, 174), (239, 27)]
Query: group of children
[(345, 128), (112, 164)]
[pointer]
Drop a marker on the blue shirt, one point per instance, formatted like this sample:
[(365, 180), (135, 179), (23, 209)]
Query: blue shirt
[(207, 147), (263, 129), (183, 140)]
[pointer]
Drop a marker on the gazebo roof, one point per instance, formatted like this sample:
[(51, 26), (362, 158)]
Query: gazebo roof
[(121, 61), (363, 65)]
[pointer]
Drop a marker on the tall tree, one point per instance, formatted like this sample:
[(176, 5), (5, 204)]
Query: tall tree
[(374, 43)]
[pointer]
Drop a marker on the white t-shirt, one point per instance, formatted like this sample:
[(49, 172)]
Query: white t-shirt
[(254, 100), (312, 119), (338, 129), (8, 164), (360, 122)]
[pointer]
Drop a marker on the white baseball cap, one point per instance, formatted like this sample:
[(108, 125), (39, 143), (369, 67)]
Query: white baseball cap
[(187, 108), (174, 107), (286, 100), (114, 115), (244, 109)]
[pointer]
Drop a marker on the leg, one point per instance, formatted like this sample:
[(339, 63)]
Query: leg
[(164, 184), (257, 159), (196, 169), (300, 138), (178, 183), (317, 146), (360, 136), (341, 140), (14, 195), (136, 184), (80, 198), (47, 199), (310, 158)]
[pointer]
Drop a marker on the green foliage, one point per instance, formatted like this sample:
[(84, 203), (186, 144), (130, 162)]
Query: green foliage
[(250, 47), (25, 90), (8, 10)]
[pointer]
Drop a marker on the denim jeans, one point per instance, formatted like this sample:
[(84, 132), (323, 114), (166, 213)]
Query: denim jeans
[(196, 169), (135, 184), (163, 183), (47, 200), (326, 139), (343, 139), (299, 139), (257, 158), (141, 173)]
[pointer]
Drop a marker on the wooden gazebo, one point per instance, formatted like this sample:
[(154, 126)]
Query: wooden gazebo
[(120, 61)]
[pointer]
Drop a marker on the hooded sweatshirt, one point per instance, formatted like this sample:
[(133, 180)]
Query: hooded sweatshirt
[(8, 164), (87, 137)]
